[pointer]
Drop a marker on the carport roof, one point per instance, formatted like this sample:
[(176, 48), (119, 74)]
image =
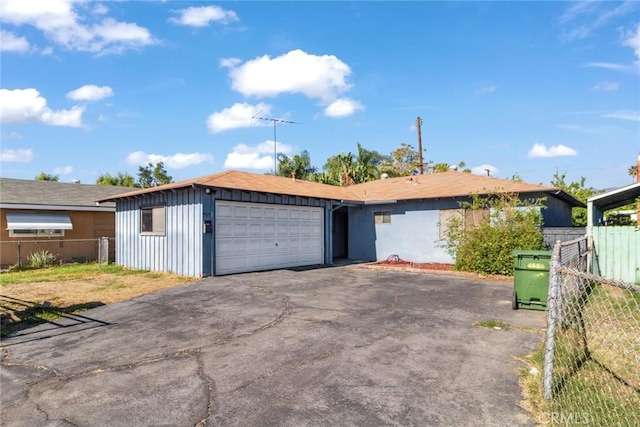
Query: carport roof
[(431, 186), (616, 198)]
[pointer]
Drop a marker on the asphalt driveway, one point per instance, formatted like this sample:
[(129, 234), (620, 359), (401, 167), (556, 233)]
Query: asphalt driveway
[(330, 346)]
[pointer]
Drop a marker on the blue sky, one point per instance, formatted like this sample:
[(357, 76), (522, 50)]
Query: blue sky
[(526, 88)]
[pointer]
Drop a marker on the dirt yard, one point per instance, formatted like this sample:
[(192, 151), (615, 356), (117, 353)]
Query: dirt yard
[(42, 298)]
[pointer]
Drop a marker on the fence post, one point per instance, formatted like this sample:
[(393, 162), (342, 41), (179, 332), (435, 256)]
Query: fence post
[(103, 251), (18, 254), (553, 308)]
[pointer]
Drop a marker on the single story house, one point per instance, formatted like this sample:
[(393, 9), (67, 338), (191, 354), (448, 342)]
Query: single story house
[(616, 249), (233, 222), (55, 216)]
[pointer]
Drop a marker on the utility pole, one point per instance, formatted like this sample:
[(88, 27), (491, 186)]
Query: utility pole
[(419, 127), (275, 149)]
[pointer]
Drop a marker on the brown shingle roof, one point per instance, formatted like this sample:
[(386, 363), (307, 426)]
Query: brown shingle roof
[(436, 185), (252, 182)]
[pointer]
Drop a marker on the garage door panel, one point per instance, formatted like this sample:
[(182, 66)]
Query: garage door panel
[(240, 230), (282, 229), (269, 230), (224, 211), (255, 212), (252, 236)]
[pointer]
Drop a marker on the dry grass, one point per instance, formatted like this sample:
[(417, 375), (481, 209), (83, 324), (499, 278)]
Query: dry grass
[(34, 296)]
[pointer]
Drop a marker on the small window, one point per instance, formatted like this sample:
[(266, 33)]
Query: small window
[(382, 217), (152, 220), (36, 233)]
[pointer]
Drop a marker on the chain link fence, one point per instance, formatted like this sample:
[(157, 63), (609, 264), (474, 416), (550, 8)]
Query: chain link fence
[(17, 252), (592, 349)]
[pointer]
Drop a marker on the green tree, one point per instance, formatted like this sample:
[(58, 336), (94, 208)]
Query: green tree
[(120, 179), (440, 167), (46, 177), (299, 163), (340, 169), (367, 165), (486, 230), (444, 167), (153, 175), (578, 190), (348, 169), (633, 171), (403, 161)]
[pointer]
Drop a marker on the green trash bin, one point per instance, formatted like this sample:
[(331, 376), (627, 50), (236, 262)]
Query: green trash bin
[(530, 279)]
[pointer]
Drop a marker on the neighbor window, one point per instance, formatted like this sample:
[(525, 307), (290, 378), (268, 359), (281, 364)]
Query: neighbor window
[(468, 219), (36, 233), (152, 220), (382, 217)]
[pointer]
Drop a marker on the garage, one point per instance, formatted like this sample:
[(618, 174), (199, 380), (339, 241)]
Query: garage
[(258, 236)]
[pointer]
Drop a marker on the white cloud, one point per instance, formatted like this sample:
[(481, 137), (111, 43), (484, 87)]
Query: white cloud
[(257, 157), (583, 18), (70, 118), (610, 66), (22, 106), (174, 161), (319, 77), (69, 24), (10, 136), (482, 170), (541, 150), (90, 93), (239, 115), (9, 42), (230, 62), (342, 107), (486, 89), (632, 40), (19, 155), (203, 16), (605, 86), (66, 170), (624, 115), (100, 9), (578, 128)]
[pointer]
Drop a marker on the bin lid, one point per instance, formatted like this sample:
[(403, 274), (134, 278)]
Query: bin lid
[(522, 252)]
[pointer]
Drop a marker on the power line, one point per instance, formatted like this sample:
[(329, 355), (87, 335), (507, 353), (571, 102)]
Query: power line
[(275, 150)]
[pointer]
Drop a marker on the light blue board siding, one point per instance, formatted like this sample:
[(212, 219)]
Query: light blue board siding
[(413, 234), (616, 253), (178, 251)]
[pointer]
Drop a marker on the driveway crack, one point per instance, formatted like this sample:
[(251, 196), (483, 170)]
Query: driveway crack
[(211, 392)]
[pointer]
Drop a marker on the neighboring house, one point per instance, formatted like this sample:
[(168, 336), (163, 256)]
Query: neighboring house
[(46, 211), (233, 222), (616, 249)]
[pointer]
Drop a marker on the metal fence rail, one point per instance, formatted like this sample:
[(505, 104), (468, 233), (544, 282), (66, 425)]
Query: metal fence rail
[(17, 252), (592, 348)]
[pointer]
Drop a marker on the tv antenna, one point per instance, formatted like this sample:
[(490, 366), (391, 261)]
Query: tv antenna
[(275, 145)]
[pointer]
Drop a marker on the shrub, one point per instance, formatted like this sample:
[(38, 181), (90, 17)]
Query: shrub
[(41, 259), (505, 223)]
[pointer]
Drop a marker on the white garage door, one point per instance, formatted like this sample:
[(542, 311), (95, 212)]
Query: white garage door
[(255, 236)]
